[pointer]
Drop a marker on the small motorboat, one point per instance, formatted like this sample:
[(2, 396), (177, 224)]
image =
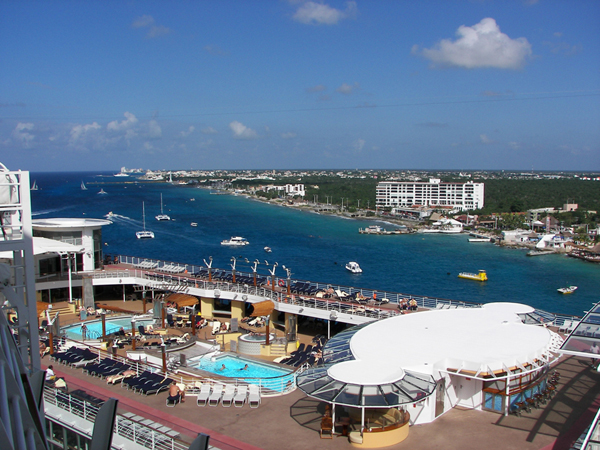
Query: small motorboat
[(268, 249), (353, 267), (481, 276), (567, 290), (102, 192), (194, 224)]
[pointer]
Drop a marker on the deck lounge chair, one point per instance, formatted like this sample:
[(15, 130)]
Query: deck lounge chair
[(203, 396), (253, 396), (215, 395), (228, 395), (240, 396)]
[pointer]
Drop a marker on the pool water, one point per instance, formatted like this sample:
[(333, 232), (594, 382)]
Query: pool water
[(94, 328), (234, 367)]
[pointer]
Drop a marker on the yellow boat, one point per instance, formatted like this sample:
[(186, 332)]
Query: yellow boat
[(481, 276)]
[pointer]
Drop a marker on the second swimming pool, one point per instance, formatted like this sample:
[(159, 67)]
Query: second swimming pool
[(234, 367), (94, 327)]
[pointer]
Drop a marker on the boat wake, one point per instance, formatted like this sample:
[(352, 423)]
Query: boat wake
[(49, 211)]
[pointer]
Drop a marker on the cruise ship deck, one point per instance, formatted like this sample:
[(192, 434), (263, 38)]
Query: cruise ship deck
[(295, 418)]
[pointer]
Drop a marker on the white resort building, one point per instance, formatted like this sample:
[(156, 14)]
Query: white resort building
[(405, 194)]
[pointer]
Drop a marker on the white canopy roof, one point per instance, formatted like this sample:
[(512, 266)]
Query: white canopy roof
[(44, 245), (492, 337)]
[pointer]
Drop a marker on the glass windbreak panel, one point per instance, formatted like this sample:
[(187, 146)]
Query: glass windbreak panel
[(498, 402), (596, 309), (418, 382), (372, 396), (391, 394), (349, 395), (330, 391), (582, 344), (592, 318), (488, 400)]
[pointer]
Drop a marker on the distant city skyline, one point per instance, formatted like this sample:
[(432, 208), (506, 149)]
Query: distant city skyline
[(296, 84)]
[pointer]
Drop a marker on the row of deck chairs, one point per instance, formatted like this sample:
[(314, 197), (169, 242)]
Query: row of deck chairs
[(172, 268), (145, 264), (147, 383), (304, 354), (74, 356), (106, 368), (228, 395), (303, 288)]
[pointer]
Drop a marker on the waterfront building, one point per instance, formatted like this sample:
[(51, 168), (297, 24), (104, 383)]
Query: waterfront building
[(434, 193)]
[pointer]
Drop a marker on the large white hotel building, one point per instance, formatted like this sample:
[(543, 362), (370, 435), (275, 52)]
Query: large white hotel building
[(405, 194)]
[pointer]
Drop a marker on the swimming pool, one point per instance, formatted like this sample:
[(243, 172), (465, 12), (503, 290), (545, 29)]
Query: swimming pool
[(94, 327), (268, 376)]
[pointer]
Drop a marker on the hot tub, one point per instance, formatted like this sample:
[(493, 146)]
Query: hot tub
[(249, 344)]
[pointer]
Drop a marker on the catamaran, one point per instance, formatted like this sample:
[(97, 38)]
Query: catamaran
[(162, 216), (144, 234)]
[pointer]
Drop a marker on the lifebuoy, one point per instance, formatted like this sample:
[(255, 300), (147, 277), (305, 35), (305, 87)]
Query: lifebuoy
[(281, 283)]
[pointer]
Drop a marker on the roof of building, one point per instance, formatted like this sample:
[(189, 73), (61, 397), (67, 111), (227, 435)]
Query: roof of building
[(69, 223)]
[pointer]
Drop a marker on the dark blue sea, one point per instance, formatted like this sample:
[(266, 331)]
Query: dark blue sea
[(315, 247)]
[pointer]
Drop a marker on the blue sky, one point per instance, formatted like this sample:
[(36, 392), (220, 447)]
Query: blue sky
[(88, 85)]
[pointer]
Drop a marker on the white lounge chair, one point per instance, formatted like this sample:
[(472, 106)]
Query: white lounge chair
[(228, 395), (204, 394), (216, 326), (215, 396), (240, 396), (253, 396), (341, 294)]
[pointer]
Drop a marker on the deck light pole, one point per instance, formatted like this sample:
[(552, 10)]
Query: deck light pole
[(256, 263), (234, 259), (209, 266), (289, 276), (272, 272)]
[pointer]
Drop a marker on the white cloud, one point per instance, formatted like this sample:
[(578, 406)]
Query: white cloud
[(358, 145), (130, 134), (189, 131), (157, 30), (79, 131), (514, 145), (484, 139), (317, 88), (347, 89), (154, 30), (241, 131), (313, 13), (115, 125), (154, 129), (209, 130), (482, 45), (288, 135), (143, 21), (21, 133)]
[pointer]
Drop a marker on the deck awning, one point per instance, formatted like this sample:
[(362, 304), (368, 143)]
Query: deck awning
[(43, 246), (264, 308), (182, 300)]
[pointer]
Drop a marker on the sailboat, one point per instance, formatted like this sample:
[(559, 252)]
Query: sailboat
[(83, 186), (145, 234), (35, 186), (162, 216)]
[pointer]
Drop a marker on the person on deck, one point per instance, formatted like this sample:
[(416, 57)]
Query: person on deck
[(176, 394)]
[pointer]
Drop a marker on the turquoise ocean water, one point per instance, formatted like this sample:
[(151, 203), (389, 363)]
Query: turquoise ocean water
[(314, 247)]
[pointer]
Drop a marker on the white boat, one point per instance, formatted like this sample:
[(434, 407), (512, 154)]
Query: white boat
[(479, 239), (162, 216), (268, 249), (194, 224), (102, 192), (144, 234), (567, 290), (83, 186), (353, 267), (121, 174), (235, 241), (35, 186)]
